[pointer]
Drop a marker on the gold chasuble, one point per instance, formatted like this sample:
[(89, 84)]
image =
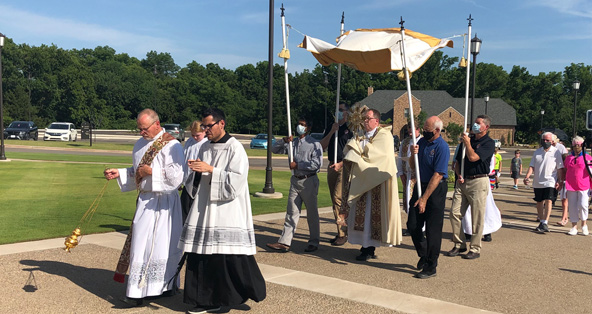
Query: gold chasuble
[(373, 170)]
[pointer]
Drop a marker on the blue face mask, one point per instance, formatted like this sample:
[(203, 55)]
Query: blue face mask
[(301, 129), (339, 116), (476, 128)]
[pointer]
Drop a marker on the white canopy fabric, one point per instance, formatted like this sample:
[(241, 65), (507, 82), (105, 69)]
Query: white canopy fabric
[(375, 50)]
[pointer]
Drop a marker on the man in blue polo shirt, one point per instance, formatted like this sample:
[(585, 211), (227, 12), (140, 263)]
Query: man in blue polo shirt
[(433, 155)]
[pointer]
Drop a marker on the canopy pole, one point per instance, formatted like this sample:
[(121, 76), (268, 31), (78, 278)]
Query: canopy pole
[(467, 129), (418, 182), (285, 54), (338, 92)]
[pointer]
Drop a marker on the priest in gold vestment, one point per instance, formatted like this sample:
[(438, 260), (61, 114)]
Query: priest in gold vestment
[(370, 191)]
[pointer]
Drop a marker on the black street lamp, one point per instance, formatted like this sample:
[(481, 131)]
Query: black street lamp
[(2, 156), (268, 188), (475, 48), (326, 83), (486, 101), (576, 87), (542, 115)]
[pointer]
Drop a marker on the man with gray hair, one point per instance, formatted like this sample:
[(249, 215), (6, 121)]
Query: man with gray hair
[(150, 250), (548, 169), (472, 187)]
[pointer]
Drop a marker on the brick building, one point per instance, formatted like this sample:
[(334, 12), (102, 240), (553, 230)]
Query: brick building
[(393, 104)]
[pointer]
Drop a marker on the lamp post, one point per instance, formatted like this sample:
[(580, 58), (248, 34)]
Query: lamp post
[(2, 156), (268, 188), (326, 83), (486, 101), (542, 115), (475, 48), (576, 87)]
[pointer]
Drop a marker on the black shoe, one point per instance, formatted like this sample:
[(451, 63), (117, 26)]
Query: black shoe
[(455, 251), (334, 239), (365, 256), (339, 241), (132, 302), (486, 238), (471, 255), (542, 228), (421, 263), (204, 309), (311, 248), (367, 253), (424, 274)]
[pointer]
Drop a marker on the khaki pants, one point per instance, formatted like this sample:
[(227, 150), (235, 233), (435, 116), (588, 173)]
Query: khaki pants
[(334, 182), (472, 192)]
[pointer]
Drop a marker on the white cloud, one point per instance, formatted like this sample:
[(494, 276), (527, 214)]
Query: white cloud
[(581, 8), (17, 23)]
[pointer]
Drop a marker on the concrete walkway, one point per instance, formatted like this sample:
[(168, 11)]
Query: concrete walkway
[(519, 272)]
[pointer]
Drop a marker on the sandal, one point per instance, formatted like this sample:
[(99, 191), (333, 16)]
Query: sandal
[(562, 223)]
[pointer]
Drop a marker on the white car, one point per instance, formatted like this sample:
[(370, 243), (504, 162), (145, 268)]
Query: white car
[(60, 131)]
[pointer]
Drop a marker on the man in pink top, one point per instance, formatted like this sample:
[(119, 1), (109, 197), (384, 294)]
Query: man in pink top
[(577, 184)]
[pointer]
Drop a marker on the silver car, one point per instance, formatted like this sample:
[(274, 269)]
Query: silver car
[(175, 130)]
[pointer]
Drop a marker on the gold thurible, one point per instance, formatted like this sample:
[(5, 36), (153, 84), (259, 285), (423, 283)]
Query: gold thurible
[(72, 241)]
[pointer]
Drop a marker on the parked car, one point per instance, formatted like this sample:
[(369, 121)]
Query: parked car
[(175, 130), (260, 141), (21, 130), (61, 131), (498, 144)]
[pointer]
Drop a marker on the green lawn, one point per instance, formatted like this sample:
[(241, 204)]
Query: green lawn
[(46, 200), (42, 200)]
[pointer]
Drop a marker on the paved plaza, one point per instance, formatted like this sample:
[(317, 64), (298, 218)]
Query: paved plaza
[(519, 272)]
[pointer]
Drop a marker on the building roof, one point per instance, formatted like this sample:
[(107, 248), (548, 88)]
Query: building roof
[(434, 102)]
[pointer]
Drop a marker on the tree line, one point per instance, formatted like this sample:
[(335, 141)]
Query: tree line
[(47, 83)]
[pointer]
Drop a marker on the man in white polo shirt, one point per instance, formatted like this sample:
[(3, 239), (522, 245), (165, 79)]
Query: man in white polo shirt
[(547, 166)]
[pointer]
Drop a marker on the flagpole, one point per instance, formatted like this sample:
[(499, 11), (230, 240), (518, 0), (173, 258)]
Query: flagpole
[(462, 163), (418, 179), (286, 55), (338, 92)]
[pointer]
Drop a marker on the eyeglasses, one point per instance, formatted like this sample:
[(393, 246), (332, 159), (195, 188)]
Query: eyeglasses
[(146, 128), (209, 126)]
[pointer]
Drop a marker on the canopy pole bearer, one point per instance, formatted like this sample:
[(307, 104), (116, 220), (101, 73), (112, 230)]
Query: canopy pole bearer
[(285, 53), (418, 184), (462, 163), (338, 90)]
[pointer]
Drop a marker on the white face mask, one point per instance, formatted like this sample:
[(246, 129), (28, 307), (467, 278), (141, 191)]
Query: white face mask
[(300, 129), (339, 116)]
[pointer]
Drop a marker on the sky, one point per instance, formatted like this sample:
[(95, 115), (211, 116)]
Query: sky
[(540, 35)]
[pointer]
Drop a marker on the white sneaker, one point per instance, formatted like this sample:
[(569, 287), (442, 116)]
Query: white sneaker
[(573, 231), (585, 230)]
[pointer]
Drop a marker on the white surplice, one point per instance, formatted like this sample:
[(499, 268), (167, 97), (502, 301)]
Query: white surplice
[(157, 224), (220, 220)]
